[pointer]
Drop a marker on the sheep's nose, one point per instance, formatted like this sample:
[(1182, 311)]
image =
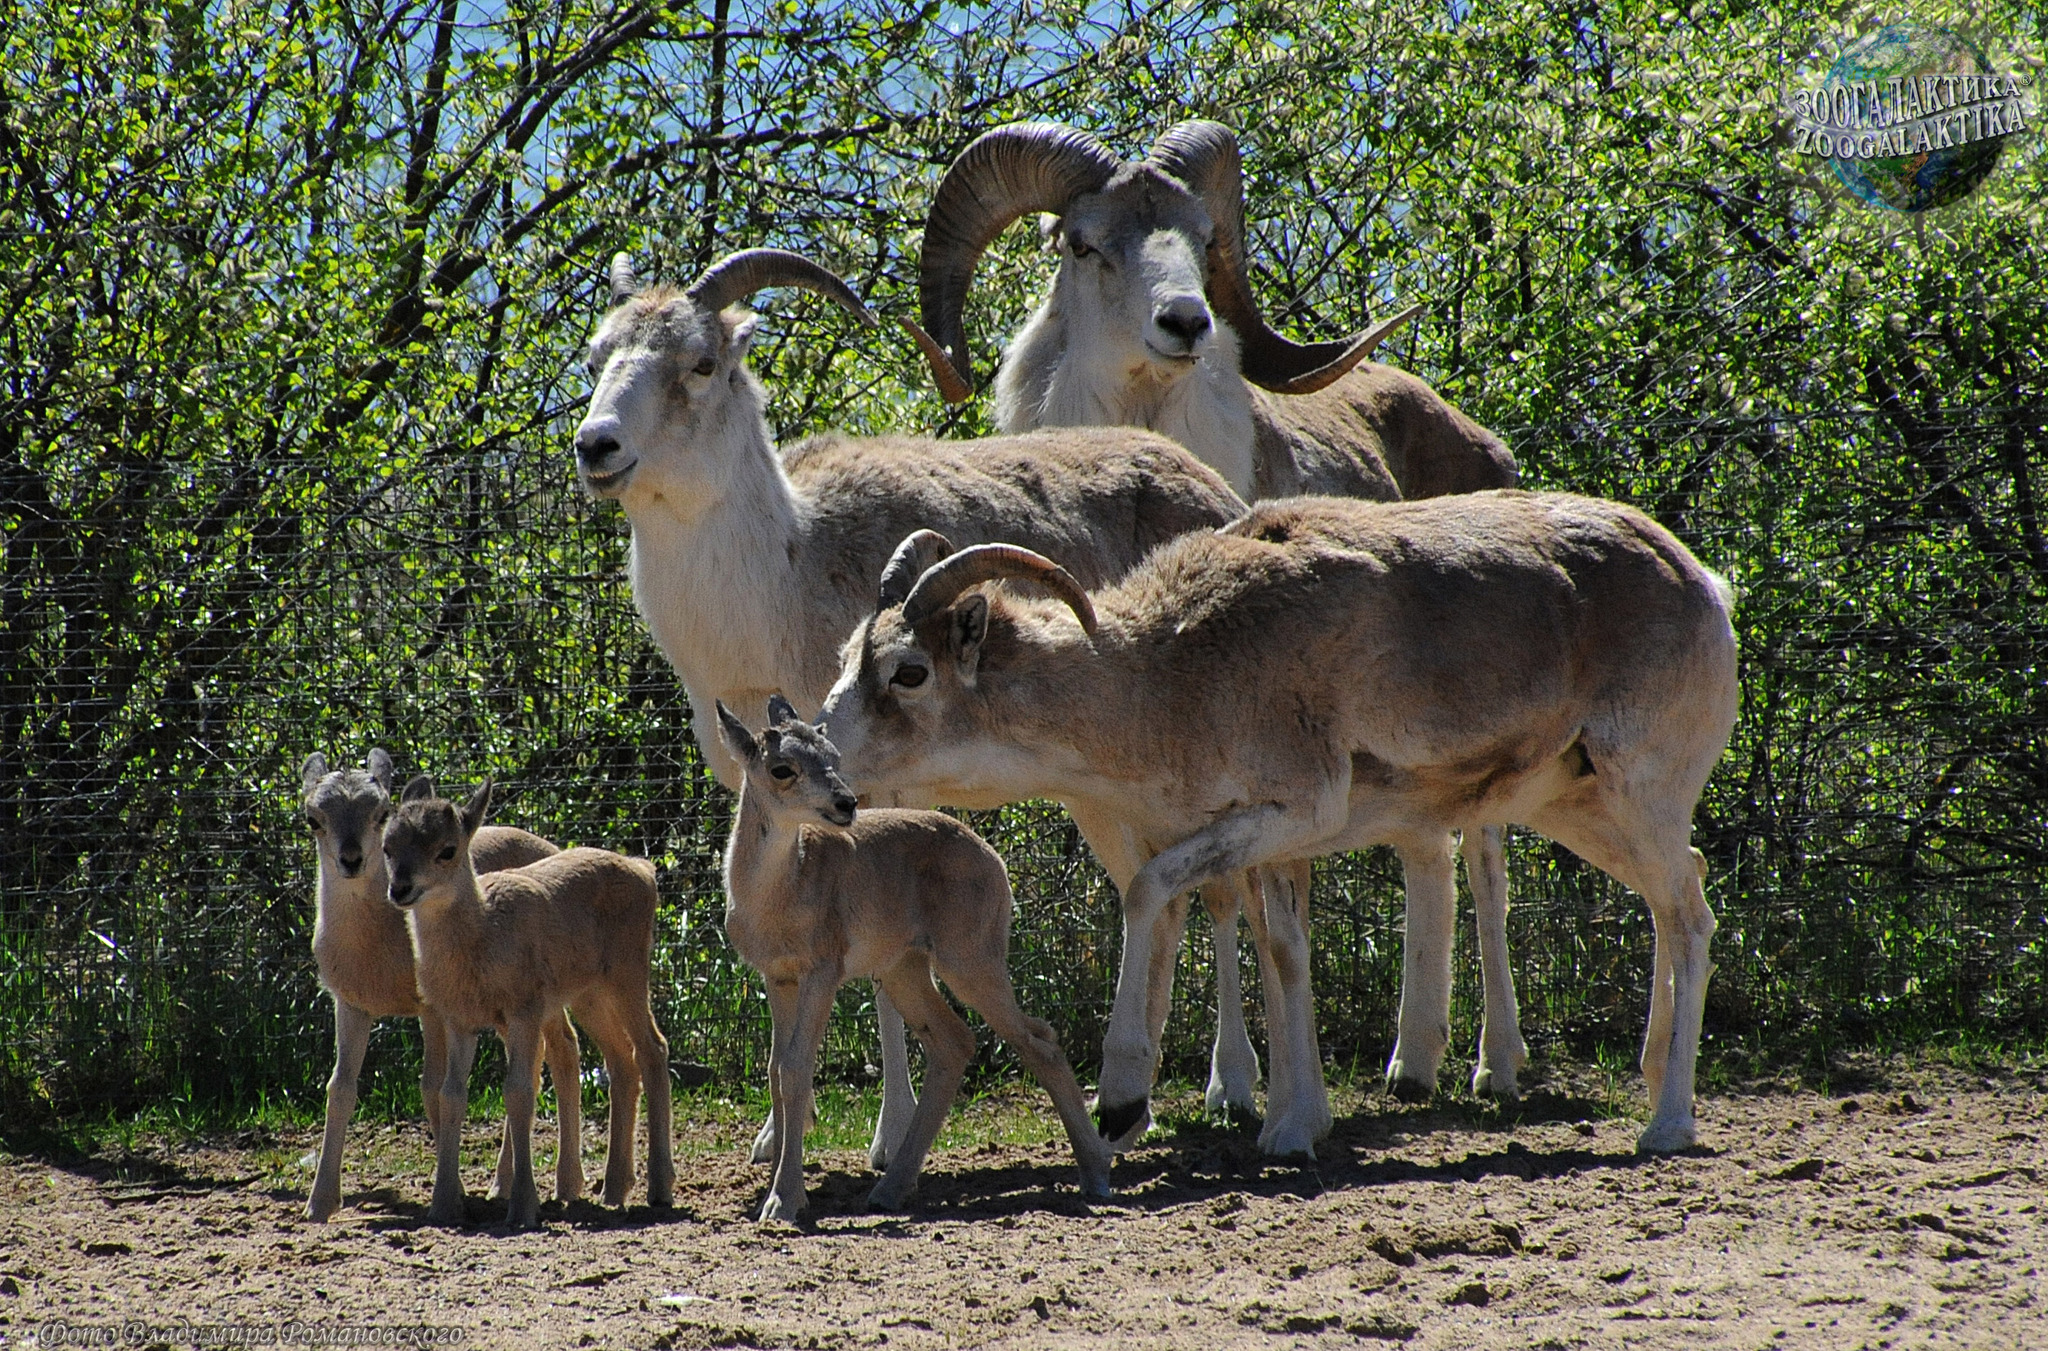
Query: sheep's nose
[(351, 864), (596, 447), (1186, 319), (845, 803)]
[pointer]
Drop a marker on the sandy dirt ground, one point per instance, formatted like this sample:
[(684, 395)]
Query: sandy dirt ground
[(1905, 1214)]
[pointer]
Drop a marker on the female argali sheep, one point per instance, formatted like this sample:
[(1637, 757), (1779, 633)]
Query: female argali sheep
[(1323, 675), (1152, 256), (366, 964), (751, 567)]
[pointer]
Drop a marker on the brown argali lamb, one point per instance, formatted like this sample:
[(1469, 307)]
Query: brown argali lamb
[(365, 960), (1323, 675), (1150, 322), (503, 951), (751, 565), (817, 894)]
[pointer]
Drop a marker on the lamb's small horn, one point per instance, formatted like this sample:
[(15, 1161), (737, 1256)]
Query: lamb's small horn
[(943, 581), (917, 552), (738, 275)]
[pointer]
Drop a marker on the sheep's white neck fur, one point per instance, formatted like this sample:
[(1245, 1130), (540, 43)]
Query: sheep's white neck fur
[(706, 568), (1060, 374)]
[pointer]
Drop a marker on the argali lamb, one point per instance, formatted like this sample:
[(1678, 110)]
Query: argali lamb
[(1151, 322), (505, 950), (365, 958), (1323, 675), (816, 895), (750, 567)]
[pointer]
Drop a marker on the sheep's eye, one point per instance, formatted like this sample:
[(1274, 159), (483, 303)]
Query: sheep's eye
[(1080, 250), (909, 677), (313, 824), (783, 772), (447, 852), (707, 366)]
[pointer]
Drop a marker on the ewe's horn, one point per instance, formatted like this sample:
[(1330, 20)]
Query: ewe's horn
[(917, 552), (738, 275), (1001, 175), (1204, 156), (945, 580)]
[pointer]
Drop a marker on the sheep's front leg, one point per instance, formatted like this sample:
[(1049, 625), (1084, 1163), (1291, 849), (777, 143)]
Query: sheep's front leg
[(351, 1038), (1234, 841), (1424, 1030), (522, 1075), (447, 1206), (1501, 1050)]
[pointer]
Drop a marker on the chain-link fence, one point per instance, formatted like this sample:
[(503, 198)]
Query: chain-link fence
[(294, 304)]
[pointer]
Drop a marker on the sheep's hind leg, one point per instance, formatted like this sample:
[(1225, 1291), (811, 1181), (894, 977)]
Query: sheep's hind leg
[(565, 1066), (1233, 1063), (1424, 1030), (985, 987), (948, 1046), (1502, 1053), (899, 1099), (1299, 1115)]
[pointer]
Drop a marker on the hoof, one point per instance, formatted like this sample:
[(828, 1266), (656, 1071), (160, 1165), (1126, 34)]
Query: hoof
[(1409, 1090), (1115, 1123), (764, 1144), (774, 1209), (1667, 1139), (884, 1199), (1238, 1117), (523, 1215), (320, 1207), (441, 1213), (1095, 1188), (1501, 1088), (1288, 1141)]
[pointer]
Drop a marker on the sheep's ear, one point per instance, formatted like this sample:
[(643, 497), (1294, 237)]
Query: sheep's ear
[(623, 283), (478, 806), (314, 770), (781, 710), (735, 735), (379, 765), (419, 790), (740, 327), (968, 625)]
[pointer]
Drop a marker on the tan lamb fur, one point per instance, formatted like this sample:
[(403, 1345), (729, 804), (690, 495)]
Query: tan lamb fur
[(816, 896), (365, 958), (503, 949)]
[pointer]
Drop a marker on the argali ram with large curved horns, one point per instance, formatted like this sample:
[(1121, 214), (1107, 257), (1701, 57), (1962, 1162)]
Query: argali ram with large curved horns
[(1323, 675), (1150, 322), (751, 566)]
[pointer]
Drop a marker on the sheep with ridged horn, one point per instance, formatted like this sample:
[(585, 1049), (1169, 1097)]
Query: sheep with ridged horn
[(750, 563), (1318, 676), (1150, 321)]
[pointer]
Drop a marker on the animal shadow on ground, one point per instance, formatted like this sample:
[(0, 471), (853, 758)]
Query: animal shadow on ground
[(394, 1212)]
